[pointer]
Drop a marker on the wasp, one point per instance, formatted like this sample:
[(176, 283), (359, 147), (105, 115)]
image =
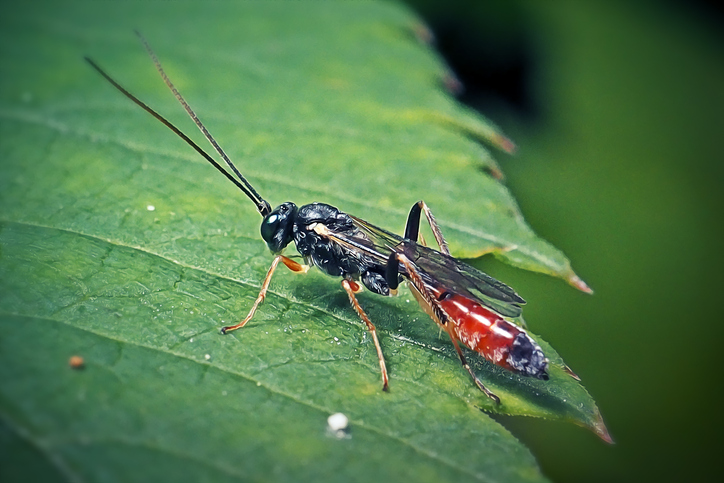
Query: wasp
[(469, 305)]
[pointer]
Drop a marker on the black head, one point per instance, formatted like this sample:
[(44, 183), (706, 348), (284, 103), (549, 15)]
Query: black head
[(527, 358), (276, 229)]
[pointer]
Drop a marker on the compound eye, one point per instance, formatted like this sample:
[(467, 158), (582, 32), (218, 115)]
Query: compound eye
[(277, 226), (269, 227)]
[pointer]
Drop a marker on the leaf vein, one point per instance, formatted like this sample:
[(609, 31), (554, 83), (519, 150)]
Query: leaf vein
[(426, 452), (32, 118)]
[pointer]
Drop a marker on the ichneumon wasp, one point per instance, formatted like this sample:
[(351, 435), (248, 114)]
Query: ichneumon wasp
[(470, 306)]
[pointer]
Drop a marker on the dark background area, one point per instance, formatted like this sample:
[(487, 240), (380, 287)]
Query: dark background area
[(618, 113)]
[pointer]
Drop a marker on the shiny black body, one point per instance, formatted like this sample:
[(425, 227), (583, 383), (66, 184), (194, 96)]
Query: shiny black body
[(287, 223), (344, 246)]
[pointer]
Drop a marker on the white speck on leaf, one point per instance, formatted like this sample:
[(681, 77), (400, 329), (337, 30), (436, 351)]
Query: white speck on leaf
[(338, 426)]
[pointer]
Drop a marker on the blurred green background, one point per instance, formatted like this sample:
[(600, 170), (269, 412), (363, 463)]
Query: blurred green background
[(618, 112)]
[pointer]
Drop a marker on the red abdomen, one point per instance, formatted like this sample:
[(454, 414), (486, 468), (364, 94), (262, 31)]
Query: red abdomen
[(493, 337)]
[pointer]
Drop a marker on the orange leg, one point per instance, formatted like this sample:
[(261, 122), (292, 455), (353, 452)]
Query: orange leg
[(290, 264), (412, 230), (464, 361), (350, 287), (439, 315)]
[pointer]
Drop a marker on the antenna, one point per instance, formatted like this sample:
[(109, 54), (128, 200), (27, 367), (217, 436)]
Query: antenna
[(261, 204)]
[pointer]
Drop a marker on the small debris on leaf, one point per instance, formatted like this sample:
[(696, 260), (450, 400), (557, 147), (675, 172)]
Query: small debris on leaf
[(338, 426), (76, 362)]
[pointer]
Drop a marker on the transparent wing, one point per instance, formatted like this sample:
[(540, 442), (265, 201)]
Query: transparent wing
[(436, 268)]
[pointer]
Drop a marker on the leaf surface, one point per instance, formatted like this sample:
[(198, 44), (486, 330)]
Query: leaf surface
[(120, 245)]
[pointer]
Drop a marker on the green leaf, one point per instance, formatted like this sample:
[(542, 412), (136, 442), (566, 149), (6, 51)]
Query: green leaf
[(120, 245)]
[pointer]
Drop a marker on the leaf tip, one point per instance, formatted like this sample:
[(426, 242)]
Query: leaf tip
[(495, 172), (578, 283), (503, 143), (452, 84), (570, 372), (599, 427)]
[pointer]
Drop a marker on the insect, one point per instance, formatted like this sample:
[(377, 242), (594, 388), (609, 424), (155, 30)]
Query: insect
[(470, 306)]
